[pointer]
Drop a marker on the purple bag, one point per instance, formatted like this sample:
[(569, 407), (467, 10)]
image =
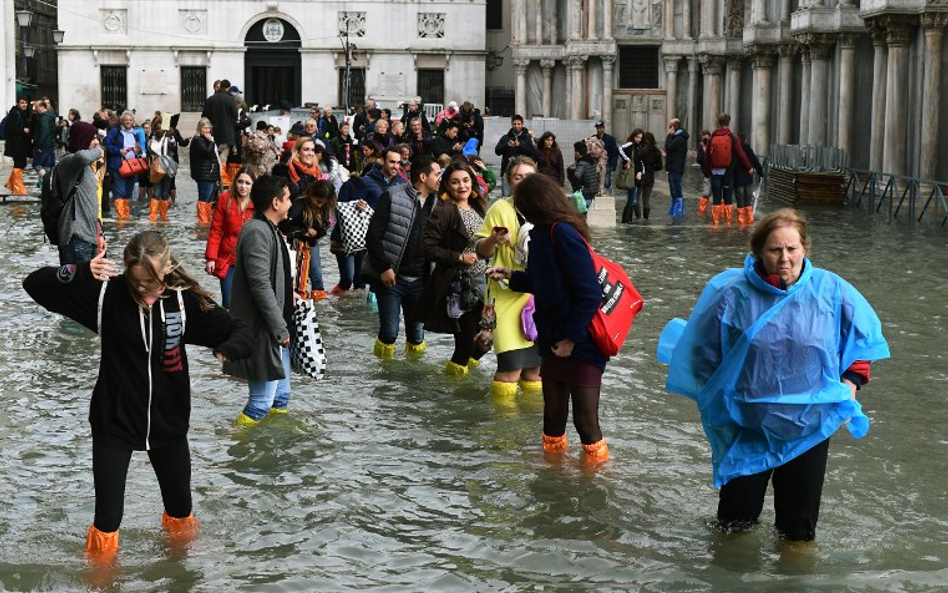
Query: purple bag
[(527, 326)]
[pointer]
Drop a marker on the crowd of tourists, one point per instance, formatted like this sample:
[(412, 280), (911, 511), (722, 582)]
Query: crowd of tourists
[(409, 220)]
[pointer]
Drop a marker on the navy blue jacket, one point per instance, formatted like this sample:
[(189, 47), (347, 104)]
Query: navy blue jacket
[(561, 276)]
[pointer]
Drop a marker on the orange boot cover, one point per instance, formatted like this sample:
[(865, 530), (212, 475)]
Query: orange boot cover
[(749, 215), (15, 183), (101, 547), (702, 205), (554, 444), (180, 531), (717, 211), (740, 216), (318, 295), (204, 212), (153, 210), (163, 209), (728, 213), (597, 452), (122, 211)]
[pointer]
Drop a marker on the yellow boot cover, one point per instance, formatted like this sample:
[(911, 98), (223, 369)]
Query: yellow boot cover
[(415, 349), (101, 547), (503, 390), (531, 386), (473, 362), (554, 444), (597, 452), (455, 370), (277, 411), (383, 350), (245, 420)]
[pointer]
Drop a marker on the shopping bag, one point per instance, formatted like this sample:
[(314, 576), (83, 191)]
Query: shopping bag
[(307, 354), (625, 179), (156, 172), (353, 226), (133, 167)]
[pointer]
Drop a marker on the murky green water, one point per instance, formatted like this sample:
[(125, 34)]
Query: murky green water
[(390, 477)]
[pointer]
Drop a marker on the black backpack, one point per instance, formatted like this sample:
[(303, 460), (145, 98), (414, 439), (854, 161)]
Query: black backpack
[(53, 200)]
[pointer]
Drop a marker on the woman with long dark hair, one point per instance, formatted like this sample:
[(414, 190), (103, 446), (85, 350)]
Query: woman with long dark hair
[(561, 276), (311, 218), (234, 208), (550, 158), (449, 243)]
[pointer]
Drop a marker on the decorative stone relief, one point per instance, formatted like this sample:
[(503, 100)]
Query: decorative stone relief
[(431, 25), (898, 29), (734, 18), (115, 21), (637, 18), (352, 23), (933, 22), (193, 21)]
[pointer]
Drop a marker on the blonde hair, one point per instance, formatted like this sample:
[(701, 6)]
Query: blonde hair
[(203, 122), (149, 250), (775, 220)]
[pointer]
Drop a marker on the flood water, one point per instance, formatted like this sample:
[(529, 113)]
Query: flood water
[(388, 476)]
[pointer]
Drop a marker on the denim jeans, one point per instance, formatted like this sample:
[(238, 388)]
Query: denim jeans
[(78, 250), (207, 191), (722, 184), (270, 394), (44, 159), (350, 267), (227, 282), (399, 298), (162, 189), (122, 187), (315, 269), (674, 184), (608, 183)]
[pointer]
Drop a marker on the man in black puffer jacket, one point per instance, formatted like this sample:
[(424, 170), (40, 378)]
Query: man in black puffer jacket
[(676, 150)]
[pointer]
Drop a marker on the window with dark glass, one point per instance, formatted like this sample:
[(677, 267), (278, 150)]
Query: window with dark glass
[(638, 67), (431, 85), (495, 14), (114, 84), (193, 87), (356, 87)]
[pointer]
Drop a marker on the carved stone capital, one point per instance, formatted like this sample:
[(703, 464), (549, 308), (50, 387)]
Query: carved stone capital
[(576, 62), (786, 50), (933, 22), (804, 52), (847, 40), (521, 64), (898, 29), (610, 60), (762, 57), (820, 46), (547, 65), (876, 28), (671, 64), (713, 65)]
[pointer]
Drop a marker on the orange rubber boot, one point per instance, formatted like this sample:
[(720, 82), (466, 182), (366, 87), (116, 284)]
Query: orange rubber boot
[(163, 209), (101, 547), (717, 211), (749, 215), (317, 295), (15, 183), (122, 209), (702, 205), (181, 531), (153, 210), (554, 444), (596, 453), (728, 213), (204, 212)]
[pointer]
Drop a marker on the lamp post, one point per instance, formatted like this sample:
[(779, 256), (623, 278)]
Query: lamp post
[(58, 35), (24, 18)]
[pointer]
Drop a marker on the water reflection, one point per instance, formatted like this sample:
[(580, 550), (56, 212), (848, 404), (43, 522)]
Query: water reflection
[(389, 476)]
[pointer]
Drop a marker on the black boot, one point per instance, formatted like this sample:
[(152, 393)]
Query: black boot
[(645, 213), (627, 212), (638, 211)]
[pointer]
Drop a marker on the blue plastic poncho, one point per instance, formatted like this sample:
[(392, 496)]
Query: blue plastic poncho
[(764, 365)]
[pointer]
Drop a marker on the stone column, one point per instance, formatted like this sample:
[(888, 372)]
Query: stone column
[(708, 9), (607, 8), (522, 23), (686, 19), (577, 64), (879, 75), (520, 99), (847, 83), (671, 87), (669, 19), (712, 67), (898, 36), (785, 95), (693, 122), (608, 62), (933, 24), (591, 31), (805, 97), (785, 11), (820, 47), (554, 23), (539, 4), (734, 71), (514, 22), (576, 19), (547, 69), (759, 12), (763, 72)]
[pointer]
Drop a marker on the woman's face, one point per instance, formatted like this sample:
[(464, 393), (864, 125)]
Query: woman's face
[(381, 127), (206, 130), (308, 153), (366, 151), (141, 282), (459, 186), (637, 139), (548, 143), (517, 175), (783, 254), (244, 183), (146, 128)]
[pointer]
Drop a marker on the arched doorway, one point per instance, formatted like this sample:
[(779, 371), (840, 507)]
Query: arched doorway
[(272, 63)]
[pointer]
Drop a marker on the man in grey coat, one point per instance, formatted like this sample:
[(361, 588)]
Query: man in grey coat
[(262, 298)]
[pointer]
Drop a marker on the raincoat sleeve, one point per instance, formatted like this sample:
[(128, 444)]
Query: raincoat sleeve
[(860, 329), (69, 290), (215, 328)]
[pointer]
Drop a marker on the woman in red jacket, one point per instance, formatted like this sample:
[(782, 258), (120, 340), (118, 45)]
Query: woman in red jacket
[(233, 209)]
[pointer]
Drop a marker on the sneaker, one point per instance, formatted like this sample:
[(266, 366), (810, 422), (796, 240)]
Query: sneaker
[(371, 301)]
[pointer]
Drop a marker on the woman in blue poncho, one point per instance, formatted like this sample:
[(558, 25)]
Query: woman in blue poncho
[(773, 354)]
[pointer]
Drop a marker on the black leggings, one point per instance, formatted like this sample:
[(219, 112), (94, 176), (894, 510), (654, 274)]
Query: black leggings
[(464, 349), (172, 467), (556, 397), (798, 487)]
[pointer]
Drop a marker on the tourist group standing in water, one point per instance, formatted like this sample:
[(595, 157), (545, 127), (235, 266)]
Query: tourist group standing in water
[(773, 353)]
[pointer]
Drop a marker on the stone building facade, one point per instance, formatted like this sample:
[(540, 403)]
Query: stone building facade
[(861, 75), (165, 56)]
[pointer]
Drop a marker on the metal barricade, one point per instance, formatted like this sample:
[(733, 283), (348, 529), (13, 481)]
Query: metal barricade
[(807, 158), (898, 197)]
